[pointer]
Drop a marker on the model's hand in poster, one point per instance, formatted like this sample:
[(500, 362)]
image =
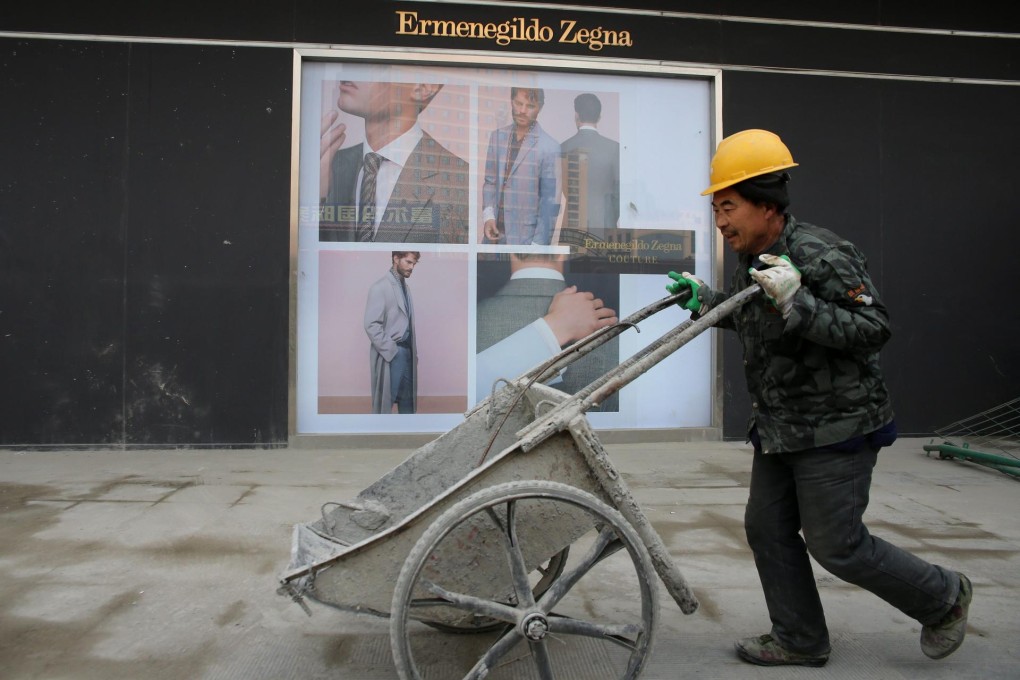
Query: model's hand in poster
[(330, 142), (575, 314), (532, 316)]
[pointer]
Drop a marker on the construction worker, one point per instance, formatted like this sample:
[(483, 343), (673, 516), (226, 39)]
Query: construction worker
[(820, 413)]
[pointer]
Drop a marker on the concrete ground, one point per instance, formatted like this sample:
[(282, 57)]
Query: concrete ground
[(164, 565)]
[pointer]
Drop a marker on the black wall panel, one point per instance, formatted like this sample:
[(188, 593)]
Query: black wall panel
[(207, 249), (979, 15), (145, 240), (223, 20), (950, 207), (62, 222), (921, 176)]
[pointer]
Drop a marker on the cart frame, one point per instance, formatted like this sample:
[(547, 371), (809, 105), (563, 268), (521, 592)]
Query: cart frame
[(525, 431)]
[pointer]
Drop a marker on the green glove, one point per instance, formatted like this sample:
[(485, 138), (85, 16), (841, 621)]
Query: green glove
[(686, 282), (780, 281)]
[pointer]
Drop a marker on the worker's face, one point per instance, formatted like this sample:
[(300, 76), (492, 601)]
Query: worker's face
[(744, 225), (405, 265), (525, 111), (374, 100)]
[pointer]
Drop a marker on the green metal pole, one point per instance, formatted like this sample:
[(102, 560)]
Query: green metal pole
[(1011, 466)]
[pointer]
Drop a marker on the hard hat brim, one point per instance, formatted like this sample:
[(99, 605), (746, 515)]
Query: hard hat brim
[(737, 180)]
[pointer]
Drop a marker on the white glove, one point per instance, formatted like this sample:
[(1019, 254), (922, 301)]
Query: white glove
[(780, 281)]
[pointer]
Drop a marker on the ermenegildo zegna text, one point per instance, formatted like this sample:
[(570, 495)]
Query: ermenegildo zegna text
[(515, 29)]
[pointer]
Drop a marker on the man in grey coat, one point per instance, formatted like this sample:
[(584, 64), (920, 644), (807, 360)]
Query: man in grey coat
[(389, 323)]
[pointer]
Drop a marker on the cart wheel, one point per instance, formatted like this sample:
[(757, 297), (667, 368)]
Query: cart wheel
[(545, 574), (486, 546)]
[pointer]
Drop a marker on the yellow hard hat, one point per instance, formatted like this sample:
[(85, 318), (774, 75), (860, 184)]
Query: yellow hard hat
[(747, 154)]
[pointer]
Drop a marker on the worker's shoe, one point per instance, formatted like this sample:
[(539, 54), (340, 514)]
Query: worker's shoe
[(765, 651), (946, 636)]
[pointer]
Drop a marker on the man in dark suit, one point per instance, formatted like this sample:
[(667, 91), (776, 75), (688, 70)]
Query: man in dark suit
[(591, 172), (400, 185), (531, 317)]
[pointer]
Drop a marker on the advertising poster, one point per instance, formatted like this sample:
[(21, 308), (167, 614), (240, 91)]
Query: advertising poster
[(451, 219)]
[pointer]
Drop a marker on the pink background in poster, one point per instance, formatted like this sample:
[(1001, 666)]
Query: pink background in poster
[(439, 285)]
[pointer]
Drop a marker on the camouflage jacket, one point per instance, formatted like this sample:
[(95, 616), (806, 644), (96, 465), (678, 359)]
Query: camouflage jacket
[(814, 378)]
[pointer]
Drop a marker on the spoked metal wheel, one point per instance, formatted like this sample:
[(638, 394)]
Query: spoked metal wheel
[(545, 575), (478, 561)]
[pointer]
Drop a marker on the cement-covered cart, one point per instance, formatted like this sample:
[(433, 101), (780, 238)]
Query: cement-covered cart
[(505, 530)]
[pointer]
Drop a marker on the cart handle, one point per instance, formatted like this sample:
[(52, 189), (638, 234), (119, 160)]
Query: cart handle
[(555, 364), (629, 370), (593, 341)]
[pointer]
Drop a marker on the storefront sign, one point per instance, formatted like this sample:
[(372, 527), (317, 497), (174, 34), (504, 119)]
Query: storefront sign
[(517, 29)]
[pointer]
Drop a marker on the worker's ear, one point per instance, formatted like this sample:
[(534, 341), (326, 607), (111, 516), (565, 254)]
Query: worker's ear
[(424, 92)]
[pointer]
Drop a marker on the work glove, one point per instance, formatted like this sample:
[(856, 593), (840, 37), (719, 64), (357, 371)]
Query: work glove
[(682, 282), (780, 281)]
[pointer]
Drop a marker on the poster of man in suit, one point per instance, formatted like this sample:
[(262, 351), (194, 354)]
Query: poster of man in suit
[(591, 171), (521, 191), (398, 183), (545, 204)]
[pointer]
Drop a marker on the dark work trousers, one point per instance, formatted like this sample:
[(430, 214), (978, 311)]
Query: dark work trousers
[(402, 380), (824, 493)]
